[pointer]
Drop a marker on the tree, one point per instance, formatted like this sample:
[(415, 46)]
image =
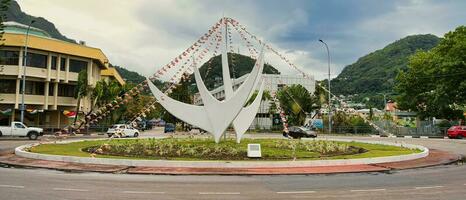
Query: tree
[(434, 84), (82, 89), (296, 101), (105, 91), (181, 93), (3, 8), (265, 96)]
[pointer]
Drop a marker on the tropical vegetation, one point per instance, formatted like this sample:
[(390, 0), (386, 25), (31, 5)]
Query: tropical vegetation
[(296, 102), (375, 73), (434, 84)]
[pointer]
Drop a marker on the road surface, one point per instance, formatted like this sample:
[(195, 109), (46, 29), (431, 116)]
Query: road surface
[(441, 182)]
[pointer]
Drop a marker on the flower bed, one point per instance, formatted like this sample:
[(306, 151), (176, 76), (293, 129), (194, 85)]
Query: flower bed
[(206, 149)]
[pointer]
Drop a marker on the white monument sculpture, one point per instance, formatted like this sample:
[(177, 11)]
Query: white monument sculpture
[(215, 116)]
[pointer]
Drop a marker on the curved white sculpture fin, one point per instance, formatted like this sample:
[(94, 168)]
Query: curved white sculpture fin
[(191, 114), (246, 116), (244, 119), (227, 85)]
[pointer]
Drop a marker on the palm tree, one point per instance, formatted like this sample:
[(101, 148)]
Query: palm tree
[(82, 89)]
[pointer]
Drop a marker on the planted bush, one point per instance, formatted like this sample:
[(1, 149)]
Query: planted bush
[(206, 149)]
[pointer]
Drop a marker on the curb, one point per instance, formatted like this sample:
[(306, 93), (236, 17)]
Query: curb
[(435, 158), (412, 136)]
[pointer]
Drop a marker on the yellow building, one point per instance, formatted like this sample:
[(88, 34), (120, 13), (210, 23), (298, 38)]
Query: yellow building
[(111, 74), (52, 69)]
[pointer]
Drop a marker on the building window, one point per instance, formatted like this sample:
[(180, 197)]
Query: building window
[(62, 64), (37, 60), (9, 57), (65, 90), (77, 65), (33, 87), (8, 86), (262, 115), (54, 62), (51, 89), (280, 86)]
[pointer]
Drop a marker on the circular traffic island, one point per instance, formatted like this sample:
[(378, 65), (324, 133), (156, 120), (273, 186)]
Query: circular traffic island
[(205, 149), (203, 156)]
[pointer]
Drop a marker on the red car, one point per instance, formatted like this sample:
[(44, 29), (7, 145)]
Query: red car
[(457, 132)]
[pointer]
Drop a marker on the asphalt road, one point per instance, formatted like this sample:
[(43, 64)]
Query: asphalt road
[(441, 182)]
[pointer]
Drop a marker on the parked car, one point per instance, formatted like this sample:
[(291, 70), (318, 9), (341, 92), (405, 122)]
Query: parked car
[(169, 127), (299, 132), (190, 128), (142, 125), (457, 132), (122, 130), (20, 130)]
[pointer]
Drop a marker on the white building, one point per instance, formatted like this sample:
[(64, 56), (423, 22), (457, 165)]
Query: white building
[(273, 82)]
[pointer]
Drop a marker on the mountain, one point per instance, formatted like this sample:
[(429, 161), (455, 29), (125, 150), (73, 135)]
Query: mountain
[(239, 66), (376, 72), (130, 76), (15, 14)]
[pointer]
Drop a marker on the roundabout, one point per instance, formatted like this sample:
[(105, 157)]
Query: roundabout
[(313, 156)]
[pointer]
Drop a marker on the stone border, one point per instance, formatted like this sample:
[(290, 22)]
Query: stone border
[(20, 151)]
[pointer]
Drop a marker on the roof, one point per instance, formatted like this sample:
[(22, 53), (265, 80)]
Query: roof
[(111, 71), (57, 46), (15, 27)]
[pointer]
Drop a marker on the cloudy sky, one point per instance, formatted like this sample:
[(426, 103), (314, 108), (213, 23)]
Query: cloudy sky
[(143, 35)]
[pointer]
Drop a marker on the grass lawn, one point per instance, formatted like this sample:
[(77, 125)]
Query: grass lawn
[(270, 150)]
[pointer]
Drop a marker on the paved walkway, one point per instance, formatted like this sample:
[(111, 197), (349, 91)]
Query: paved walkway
[(436, 157)]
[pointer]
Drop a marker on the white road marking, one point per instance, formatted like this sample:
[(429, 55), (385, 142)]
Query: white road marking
[(296, 192), (142, 192), (71, 189), (12, 186), (219, 193), (428, 187), (369, 190)]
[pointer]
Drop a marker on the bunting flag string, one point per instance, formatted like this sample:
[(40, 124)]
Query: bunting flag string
[(104, 111), (281, 112), (252, 51)]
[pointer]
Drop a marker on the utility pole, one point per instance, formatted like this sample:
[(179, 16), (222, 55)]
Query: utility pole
[(23, 88), (329, 93)]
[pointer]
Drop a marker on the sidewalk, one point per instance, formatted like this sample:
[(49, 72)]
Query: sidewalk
[(436, 157)]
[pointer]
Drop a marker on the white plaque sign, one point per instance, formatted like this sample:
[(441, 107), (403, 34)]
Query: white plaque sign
[(254, 151)]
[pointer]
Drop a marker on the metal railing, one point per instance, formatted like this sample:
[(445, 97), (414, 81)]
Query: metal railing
[(425, 129), (50, 130)]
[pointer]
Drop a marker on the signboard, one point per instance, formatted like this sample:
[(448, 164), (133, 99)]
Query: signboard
[(318, 123), (254, 151)]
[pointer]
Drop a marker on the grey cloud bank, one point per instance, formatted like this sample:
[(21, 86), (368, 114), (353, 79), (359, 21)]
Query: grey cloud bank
[(143, 35)]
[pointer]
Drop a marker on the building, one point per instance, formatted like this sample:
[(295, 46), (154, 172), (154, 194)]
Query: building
[(111, 74), (273, 82), (52, 70)]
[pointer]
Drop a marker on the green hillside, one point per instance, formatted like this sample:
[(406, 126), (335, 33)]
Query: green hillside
[(130, 76), (239, 66), (376, 72)]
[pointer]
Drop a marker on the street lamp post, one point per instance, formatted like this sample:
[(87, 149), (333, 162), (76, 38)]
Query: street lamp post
[(23, 88), (329, 94)]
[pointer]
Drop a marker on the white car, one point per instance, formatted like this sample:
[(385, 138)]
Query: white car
[(21, 130), (122, 130)]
